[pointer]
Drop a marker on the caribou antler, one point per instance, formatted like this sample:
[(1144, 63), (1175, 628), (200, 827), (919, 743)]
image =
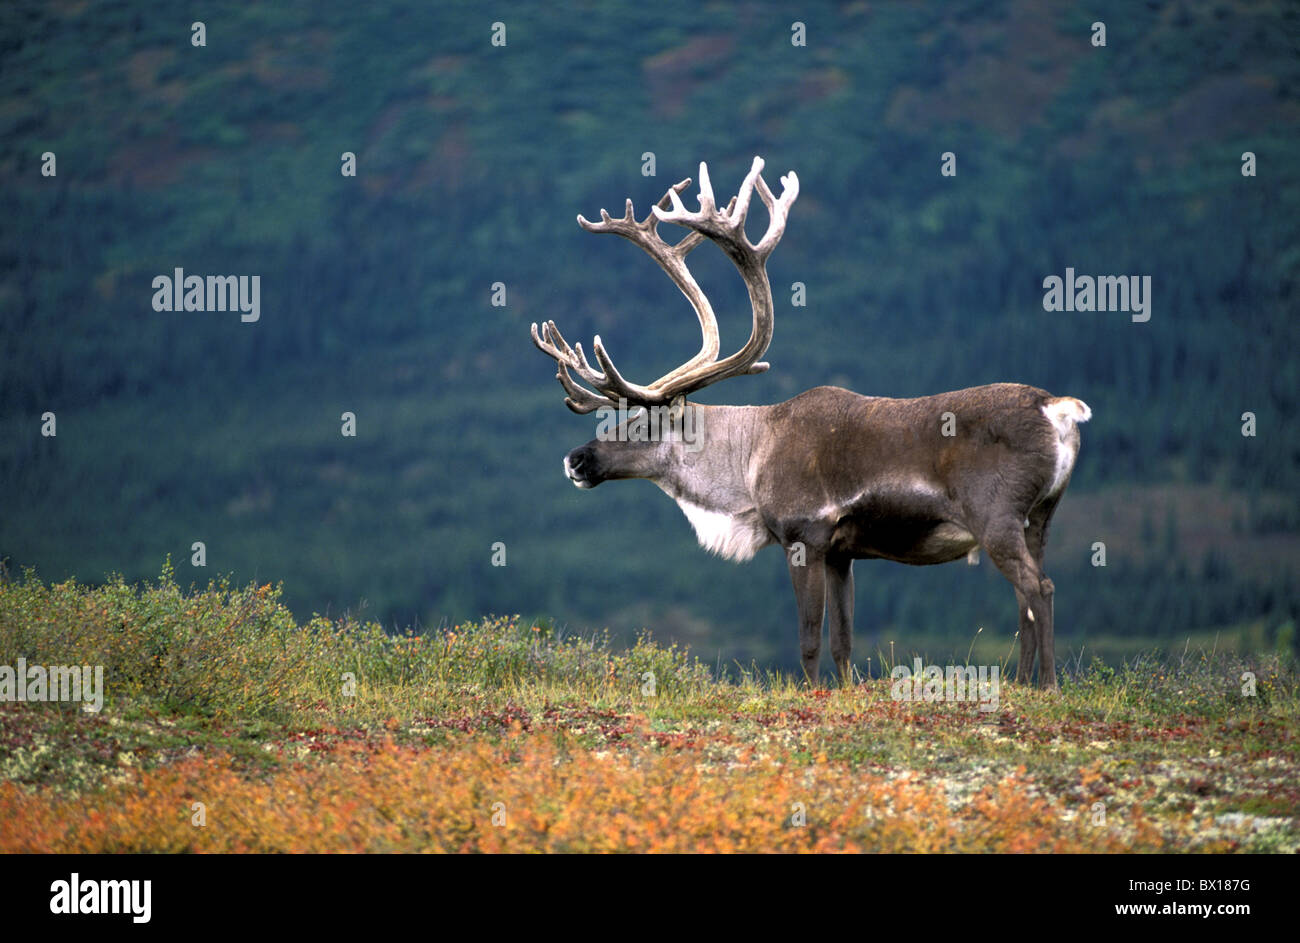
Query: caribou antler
[(726, 228)]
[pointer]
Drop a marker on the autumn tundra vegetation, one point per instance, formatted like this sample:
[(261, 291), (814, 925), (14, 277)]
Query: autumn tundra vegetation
[(228, 726)]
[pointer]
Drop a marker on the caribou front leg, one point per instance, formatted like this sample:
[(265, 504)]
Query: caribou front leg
[(809, 579), (839, 602)]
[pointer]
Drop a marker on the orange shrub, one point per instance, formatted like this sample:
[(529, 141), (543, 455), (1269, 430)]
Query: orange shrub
[(547, 794)]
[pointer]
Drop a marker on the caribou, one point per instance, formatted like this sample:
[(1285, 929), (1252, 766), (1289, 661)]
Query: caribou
[(831, 475)]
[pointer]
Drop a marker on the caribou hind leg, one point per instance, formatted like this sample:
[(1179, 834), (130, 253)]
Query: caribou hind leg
[(1028, 642), (1005, 542), (1036, 543)]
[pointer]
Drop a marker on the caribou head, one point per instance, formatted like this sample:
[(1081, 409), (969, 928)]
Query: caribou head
[(831, 476)]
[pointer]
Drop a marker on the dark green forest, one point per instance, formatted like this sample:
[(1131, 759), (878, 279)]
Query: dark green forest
[(473, 158)]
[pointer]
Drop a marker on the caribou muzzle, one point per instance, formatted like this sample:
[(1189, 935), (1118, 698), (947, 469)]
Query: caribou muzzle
[(581, 467)]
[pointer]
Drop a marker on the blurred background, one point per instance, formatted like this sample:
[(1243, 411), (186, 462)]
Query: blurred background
[(472, 160)]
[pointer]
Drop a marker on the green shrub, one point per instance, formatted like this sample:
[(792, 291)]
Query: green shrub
[(239, 651)]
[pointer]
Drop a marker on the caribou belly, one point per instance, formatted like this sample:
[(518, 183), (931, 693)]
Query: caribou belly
[(905, 540)]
